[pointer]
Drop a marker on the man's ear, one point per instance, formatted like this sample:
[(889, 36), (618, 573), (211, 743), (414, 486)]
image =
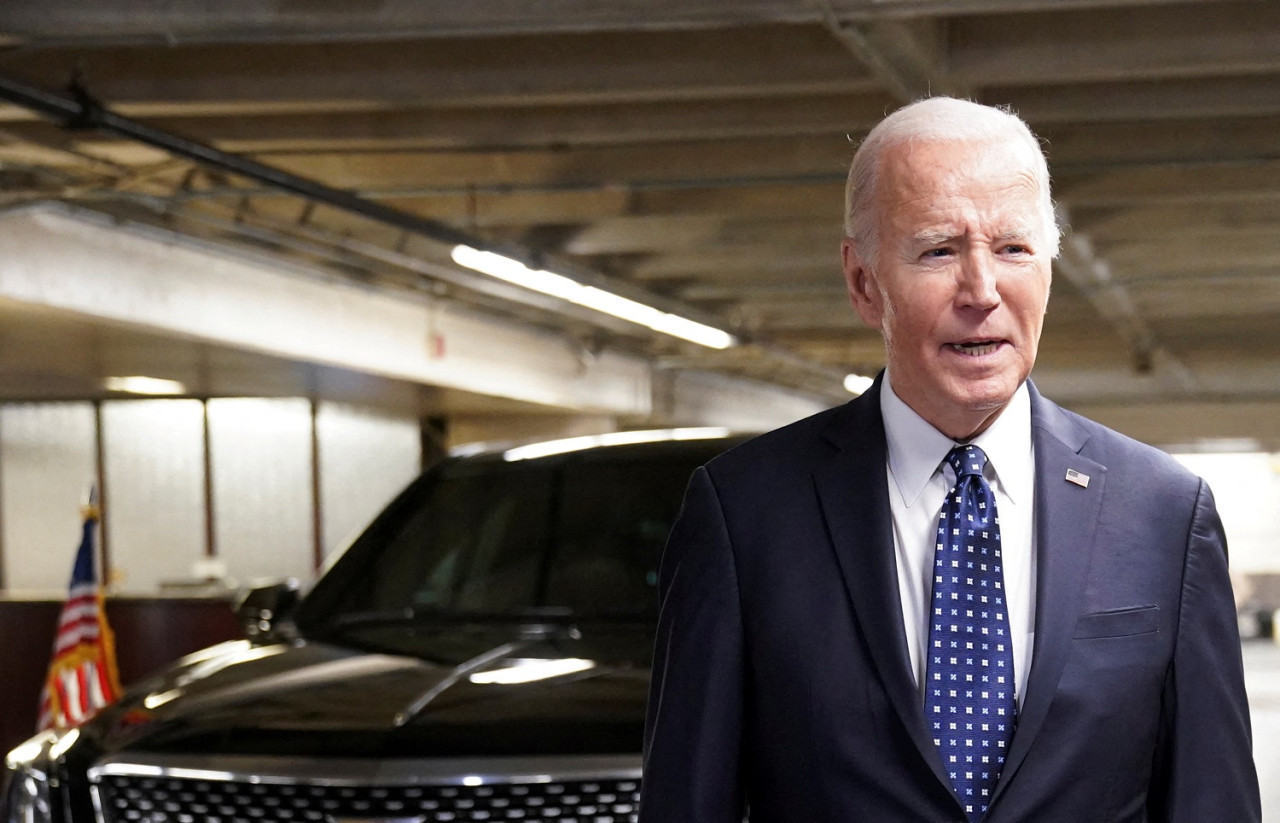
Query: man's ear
[(864, 291)]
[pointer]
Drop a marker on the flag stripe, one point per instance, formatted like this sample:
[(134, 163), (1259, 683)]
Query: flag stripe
[(82, 674)]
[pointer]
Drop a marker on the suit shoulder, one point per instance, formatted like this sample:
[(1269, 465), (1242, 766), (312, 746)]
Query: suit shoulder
[(794, 446), (1130, 458)]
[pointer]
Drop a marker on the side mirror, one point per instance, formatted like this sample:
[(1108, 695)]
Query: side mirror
[(266, 611)]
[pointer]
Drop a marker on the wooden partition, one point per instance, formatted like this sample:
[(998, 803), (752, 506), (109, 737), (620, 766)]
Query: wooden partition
[(150, 633)]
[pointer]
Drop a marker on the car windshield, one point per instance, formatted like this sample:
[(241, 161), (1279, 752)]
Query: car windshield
[(573, 536)]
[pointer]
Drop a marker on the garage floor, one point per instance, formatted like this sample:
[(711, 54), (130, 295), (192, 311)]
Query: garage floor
[(1262, 676)]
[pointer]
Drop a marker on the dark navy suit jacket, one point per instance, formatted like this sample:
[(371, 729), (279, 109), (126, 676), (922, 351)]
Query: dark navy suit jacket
[(781, 675)]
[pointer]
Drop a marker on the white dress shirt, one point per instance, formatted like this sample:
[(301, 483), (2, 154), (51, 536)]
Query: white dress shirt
[(918, 482)]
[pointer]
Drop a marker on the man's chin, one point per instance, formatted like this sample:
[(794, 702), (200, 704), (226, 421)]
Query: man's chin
[(981, 402)]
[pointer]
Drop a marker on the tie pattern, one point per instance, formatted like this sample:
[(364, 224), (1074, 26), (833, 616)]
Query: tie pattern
[(969, 689)]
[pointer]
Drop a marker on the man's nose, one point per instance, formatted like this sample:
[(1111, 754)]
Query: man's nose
[(977, 282)]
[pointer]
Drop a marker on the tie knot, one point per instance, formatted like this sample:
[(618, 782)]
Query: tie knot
[(967, 461)]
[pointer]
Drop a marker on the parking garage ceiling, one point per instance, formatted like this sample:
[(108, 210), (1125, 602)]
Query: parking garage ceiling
[(693, 151)]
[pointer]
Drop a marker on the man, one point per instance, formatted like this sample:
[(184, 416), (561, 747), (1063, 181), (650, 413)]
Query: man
[(950, 599)]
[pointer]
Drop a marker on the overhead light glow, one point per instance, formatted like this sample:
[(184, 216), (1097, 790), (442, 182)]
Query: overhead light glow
[(557, 285), (157, 699), (857, 384), (144, 385), (60, 746), (29, 751), (573, 444), (527, 671)]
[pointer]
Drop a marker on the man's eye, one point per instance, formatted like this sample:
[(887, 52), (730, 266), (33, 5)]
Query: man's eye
[(1016, 249), (944, 252)]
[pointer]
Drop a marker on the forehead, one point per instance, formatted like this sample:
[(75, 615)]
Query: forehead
[(936, 184)]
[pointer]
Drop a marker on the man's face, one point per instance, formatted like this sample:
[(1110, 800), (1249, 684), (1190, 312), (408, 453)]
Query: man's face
[(961, 283)]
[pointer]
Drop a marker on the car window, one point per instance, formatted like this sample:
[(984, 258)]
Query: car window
[(613, 522), (471, 543), (575, 536)]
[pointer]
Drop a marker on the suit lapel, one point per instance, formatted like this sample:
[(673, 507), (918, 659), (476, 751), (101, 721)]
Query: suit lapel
[(1066, 518), (853, 491)]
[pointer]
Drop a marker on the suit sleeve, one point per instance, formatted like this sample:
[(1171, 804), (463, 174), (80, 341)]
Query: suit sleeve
[(1205, 768), (693, 729)]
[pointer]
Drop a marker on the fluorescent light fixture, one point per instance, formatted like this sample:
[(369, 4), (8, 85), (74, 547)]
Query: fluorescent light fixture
[(557, 285), (143, 385), (573, 444), (856, 383), (527, 671)]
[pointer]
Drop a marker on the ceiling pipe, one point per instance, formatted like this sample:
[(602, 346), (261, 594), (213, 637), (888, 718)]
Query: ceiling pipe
[(81, 111)]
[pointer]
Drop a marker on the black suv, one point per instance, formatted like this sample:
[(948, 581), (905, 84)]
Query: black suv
[(480, 653)]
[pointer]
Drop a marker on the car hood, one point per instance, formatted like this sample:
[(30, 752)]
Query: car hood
[(492, 691)]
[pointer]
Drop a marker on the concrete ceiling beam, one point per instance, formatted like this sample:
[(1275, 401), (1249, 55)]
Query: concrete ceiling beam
[(1148, 99), (1113, 44), (353, 76), (1173, 185), (167, 22), (542, 126)]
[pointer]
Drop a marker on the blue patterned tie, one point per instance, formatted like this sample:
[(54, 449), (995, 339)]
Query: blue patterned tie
[(969, 696)]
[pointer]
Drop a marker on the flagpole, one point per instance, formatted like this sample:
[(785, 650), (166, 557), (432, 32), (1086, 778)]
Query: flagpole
[(91, 509), (100, 491)]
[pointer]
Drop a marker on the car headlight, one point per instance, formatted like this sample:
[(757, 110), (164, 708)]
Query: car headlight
[(29, 777)]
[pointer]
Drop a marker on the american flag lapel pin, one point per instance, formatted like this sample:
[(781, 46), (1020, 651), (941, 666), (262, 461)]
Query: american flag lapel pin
[(1081, 480)]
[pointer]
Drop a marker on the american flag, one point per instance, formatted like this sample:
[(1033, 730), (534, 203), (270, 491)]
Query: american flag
[(82, 674)]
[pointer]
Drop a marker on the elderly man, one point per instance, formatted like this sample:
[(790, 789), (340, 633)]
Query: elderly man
[(950, 599)]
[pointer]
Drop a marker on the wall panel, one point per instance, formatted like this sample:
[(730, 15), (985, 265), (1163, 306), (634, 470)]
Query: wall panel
[(366, 458), (153, 459), (47, 464), (261, 466)]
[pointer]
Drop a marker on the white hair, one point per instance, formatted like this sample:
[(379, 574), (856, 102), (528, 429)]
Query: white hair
[(935, 119)]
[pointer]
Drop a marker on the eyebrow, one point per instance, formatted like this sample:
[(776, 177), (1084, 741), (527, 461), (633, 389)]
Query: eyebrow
[(1022, 231), (930, 237)]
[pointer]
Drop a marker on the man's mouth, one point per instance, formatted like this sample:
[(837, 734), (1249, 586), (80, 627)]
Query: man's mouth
[(976, 348)]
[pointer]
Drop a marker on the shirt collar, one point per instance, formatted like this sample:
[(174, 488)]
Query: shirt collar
[(917, 449)]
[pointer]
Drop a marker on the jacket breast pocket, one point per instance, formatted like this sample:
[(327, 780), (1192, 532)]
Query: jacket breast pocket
[(1124, 622)]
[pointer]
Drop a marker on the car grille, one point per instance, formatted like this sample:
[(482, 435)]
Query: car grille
[(317, 791)]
